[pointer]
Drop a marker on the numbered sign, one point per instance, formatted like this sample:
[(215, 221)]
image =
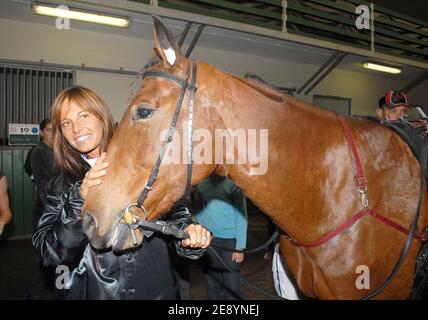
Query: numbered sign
[(23, 134)]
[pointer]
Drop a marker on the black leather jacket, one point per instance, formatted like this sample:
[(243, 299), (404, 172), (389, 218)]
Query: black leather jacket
[(144, 273)]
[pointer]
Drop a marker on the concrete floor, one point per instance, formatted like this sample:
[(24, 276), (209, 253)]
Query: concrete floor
[(16, 259)]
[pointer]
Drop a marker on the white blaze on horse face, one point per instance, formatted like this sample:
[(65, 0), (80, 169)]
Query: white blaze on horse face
[(170, 56)]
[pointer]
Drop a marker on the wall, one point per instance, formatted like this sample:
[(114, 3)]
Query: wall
[(32, 42)]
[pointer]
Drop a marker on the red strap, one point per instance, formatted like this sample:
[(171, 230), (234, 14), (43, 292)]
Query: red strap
[(362, 186), (362, 183), (349, 223), (396, 226)]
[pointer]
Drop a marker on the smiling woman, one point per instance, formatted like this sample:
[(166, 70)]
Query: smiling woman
[(82, 124), (83, 127)]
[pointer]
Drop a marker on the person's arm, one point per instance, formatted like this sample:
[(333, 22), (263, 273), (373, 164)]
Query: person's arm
[(180, 217), (42, 166), (5, 212), (59, 236), (240, 204)]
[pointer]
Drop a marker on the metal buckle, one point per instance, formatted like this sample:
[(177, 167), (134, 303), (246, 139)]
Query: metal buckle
[(133, 224), (364, 200)]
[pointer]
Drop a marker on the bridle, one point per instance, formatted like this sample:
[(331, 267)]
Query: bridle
[(184, 86)]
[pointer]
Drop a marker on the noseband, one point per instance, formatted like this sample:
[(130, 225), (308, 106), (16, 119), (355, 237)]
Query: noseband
[(184, 85)]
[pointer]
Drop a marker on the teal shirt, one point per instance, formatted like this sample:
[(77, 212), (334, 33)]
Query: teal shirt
[(221, 207)]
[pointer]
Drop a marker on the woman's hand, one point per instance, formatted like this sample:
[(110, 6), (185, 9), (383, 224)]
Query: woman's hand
[(1, 227), (93, 176), (199, 237), (238, 257)]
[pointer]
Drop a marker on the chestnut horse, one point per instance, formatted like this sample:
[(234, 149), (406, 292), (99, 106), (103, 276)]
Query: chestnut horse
[(309, 187)]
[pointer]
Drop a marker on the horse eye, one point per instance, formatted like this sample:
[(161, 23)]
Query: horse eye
[(142, 113)]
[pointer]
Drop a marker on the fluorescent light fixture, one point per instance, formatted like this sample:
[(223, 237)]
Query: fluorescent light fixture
[(382, 68), (73, 14)]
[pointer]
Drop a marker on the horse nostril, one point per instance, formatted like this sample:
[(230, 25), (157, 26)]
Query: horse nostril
[(88, 225)]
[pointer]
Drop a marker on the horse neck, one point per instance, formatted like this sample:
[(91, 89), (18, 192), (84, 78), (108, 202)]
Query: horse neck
[(244, 105)]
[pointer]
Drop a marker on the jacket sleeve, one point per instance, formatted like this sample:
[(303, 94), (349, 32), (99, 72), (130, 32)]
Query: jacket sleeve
[(42, 166), (59, 237), (179, 216), (240, 204)]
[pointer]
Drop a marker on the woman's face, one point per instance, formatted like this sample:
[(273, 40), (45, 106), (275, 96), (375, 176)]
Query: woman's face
[(82, 129)]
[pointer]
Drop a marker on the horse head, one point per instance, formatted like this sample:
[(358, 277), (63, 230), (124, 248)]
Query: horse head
[(138, 150)]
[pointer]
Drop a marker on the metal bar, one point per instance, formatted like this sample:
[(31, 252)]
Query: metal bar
[(49, 92), (240, 8), (24, 90), (31, 97), (15, 104), (402, 26), (394, 35), (220, 16), (329, 60), (194, 40), (330, 69), (61, 81), (277, 3), (414, 83), (8, 99), (284, 15), (42, 95), (294, 7), (372, 28), (402, 47), (56, 76), (401, 16), (37, 95), (64, 67), (333, 5), (184, 34), (4, 123), (318, 26)]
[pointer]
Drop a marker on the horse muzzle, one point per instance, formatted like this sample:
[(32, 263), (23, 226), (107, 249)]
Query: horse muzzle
[(120, 237)]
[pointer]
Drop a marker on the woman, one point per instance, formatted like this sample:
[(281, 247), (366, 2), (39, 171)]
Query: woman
[(82, 128), (5, 212)]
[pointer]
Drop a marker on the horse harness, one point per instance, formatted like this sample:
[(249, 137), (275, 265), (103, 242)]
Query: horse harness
[(422, 155), (184, 86)]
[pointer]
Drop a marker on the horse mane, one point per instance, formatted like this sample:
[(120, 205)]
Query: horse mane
[(367, 118), (261, 86)]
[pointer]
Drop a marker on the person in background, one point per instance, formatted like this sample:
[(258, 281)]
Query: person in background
[(392, 106), (221, 207), (42, 165), (41, 168), (5, 212)]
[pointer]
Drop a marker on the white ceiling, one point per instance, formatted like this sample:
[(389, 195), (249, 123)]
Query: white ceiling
[(212, 37)]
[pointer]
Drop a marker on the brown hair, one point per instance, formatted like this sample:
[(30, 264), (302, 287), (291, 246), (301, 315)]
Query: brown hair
[(66, 158)]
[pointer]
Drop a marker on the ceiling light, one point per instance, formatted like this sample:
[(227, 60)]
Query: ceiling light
[(382, 68), (80, 15)]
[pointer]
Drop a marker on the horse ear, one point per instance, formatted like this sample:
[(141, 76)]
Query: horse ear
[(166, 46)]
